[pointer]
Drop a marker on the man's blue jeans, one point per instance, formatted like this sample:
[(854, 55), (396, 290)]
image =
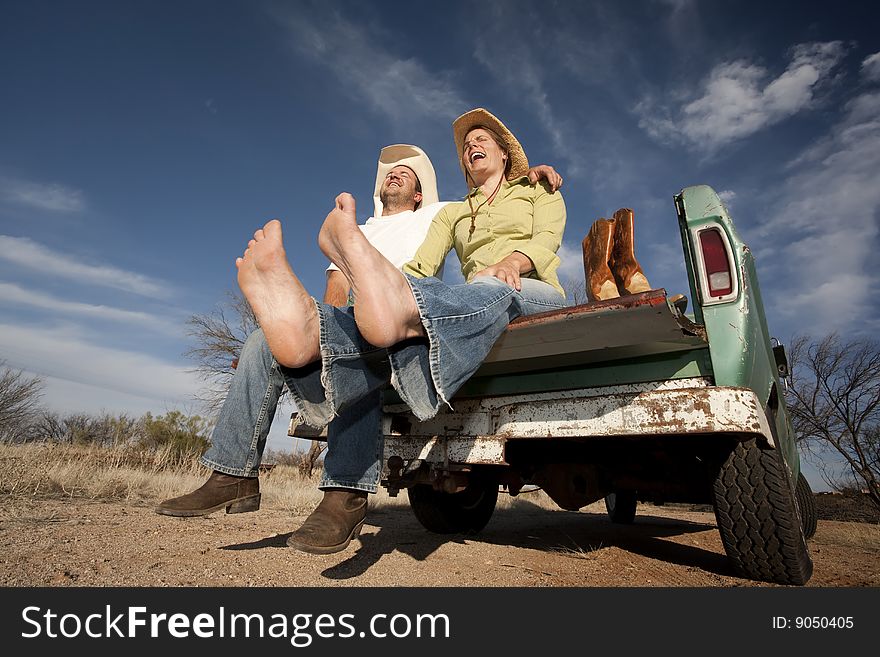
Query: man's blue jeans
[(343, 389), (354, 452)]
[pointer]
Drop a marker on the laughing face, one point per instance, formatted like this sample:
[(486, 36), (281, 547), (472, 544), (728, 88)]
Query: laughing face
[(399, 190), (481, 154)]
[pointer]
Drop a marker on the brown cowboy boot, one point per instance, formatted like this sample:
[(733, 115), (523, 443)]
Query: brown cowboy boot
[(627, 272), (597, 251), (336, 520), (237, 494)]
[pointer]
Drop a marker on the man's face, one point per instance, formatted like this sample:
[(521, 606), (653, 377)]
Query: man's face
[(399, 188), (481, 154)]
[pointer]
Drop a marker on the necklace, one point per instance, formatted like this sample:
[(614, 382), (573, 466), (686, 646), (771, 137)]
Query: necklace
[(488, 199)]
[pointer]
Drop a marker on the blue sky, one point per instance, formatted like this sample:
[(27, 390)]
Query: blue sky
[(141, 143)]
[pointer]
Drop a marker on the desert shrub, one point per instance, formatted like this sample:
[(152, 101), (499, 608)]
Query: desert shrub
[(84, 429), (181, 435)]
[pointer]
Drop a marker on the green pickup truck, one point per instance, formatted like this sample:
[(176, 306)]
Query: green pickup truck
[(628, 400)]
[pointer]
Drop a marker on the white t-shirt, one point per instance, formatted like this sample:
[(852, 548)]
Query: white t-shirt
[(399, 236)]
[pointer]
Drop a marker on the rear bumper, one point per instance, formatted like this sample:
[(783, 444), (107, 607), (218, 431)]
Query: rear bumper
[(478, 430)]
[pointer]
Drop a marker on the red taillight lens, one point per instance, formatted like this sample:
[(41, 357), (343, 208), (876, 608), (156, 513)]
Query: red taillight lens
[(716, 264)]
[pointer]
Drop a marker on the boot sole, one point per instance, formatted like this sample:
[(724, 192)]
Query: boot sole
[(241, 505), (326, 549)]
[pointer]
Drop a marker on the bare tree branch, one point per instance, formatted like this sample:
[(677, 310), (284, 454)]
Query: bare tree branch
[(219, 336), (19, 402), (834, 401), (575, 290)]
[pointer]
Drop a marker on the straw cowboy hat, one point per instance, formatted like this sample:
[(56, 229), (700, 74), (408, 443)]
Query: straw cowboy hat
[(414, 158), (519, 163)]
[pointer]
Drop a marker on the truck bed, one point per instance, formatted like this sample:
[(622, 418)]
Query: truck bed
[(635, 325), (566, 349)]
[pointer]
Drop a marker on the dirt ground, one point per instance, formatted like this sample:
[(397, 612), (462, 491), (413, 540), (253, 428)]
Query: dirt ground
[(81, 543)]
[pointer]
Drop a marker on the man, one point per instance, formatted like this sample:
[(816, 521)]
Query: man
[(406, 201)]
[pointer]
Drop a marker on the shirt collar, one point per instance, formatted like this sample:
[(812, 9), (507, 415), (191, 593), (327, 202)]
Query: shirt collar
[(505, 184)]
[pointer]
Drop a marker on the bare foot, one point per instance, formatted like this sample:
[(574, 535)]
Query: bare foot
[(384, 307), (284, 309)]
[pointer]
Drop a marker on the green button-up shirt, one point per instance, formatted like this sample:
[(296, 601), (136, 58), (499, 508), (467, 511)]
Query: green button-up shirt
[(522, 217)]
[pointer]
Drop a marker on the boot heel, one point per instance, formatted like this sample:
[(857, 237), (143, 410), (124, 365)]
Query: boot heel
[(357, 530), (251, 503)]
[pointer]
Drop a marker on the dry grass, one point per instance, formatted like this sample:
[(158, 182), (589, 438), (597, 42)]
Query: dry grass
[(858, 535), (144, 477)]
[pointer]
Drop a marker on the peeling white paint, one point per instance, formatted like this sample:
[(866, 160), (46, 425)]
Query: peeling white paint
[(662, 411)]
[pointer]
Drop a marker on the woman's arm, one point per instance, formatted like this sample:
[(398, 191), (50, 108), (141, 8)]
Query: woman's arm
[(509, 269), (431, 254), (547, 230)]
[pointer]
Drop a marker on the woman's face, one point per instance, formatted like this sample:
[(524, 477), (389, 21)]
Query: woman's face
[(482, 156)]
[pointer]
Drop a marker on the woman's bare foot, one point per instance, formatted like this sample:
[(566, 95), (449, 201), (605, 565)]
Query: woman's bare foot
[(384, 307), (286, 312)]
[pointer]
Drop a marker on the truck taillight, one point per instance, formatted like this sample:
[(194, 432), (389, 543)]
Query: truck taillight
[(716, 264)]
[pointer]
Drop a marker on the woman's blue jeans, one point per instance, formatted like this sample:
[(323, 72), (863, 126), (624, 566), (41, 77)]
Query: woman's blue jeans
[(343, 389)]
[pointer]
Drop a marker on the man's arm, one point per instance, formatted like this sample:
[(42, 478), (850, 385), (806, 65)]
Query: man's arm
[(548, 173), (336, 293)]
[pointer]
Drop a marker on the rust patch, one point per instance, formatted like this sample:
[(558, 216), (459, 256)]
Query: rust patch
[(650, 298), (702, 405)]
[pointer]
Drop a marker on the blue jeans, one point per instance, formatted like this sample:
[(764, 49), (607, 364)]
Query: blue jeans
[(354, 441), (462, 323), (343, 389)]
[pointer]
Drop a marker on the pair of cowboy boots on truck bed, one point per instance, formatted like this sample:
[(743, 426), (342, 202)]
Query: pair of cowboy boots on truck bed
[(610, 266)]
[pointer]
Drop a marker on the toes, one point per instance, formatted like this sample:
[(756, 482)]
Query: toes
[(258, 234), (346, 203), (272, 227)]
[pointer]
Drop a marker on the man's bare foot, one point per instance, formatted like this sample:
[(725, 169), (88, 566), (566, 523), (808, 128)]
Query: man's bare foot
[(284, 309), (384, 307)]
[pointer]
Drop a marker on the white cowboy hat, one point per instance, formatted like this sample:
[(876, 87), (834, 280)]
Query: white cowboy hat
[(414, 158)]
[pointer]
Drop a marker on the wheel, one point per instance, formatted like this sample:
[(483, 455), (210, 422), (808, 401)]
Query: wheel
[(806, 505), (757, 514), (464, 512), (621, 506)]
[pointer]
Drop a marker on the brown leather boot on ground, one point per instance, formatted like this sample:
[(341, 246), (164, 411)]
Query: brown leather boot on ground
[(597, 252), (628, 274), (333, 524), (237, 494)]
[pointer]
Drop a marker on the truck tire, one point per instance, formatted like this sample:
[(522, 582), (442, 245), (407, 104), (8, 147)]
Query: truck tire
[(464, 512), (757, 514), (621, 506), (807, 506)]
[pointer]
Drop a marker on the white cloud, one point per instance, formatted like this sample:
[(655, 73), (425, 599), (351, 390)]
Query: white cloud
[(737, 100), (64, 353), (15, 294), (26, 253), (727, 196), (398, 87), (823, 234), (572, 266), (64, 396), (871, 67), (51, 196)]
